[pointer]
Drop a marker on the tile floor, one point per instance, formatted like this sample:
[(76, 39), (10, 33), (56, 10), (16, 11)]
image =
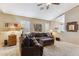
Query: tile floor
[(61, 49)]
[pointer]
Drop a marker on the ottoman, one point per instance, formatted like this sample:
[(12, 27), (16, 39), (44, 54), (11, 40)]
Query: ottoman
[(46, 41)]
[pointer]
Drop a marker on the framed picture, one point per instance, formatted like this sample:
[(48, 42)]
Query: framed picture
[(72, 26), (7, 24), (38, 27)]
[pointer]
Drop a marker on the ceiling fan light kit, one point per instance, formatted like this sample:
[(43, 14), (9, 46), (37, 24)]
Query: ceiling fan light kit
[(47, 5)]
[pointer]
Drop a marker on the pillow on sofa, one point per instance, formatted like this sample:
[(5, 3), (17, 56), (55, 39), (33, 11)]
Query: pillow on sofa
[(50, 35), (26, 42), (36, 42)]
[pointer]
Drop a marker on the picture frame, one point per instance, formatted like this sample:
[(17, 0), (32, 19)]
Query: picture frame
[(7, 24), (38, 27), (72, 27)]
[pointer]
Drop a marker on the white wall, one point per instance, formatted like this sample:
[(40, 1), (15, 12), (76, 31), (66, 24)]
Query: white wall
[(71, 16)]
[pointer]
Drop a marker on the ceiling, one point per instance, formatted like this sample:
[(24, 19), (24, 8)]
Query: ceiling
[(32, 10)]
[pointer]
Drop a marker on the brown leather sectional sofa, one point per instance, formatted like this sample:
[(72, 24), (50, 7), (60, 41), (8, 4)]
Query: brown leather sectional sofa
[(44, 38), (33, 44)]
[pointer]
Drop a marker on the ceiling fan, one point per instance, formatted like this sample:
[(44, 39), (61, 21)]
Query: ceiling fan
[(46, 5)]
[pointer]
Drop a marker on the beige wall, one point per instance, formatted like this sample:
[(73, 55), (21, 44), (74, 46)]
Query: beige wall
[(55, 24), (58, 23), (38, 21), (71, 16), (8, 18)]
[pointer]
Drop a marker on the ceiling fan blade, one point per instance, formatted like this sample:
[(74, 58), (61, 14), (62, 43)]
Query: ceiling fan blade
[(47, 7), (39, 4), (56, 3)]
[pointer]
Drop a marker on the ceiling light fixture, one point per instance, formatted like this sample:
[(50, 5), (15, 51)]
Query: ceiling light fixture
[(47, 5)]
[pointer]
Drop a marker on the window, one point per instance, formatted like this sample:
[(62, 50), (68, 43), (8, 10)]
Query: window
[(47, 27), (26, 26)]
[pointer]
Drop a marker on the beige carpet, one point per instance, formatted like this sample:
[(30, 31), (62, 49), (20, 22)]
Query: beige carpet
[(61, 49), (9, 51)]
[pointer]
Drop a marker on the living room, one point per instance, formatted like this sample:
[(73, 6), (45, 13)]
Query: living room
[(33, 29)]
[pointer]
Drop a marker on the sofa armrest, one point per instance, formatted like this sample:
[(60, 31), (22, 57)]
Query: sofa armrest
[(39, 45)]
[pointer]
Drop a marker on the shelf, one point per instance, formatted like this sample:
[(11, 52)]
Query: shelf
[(10, 29)]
